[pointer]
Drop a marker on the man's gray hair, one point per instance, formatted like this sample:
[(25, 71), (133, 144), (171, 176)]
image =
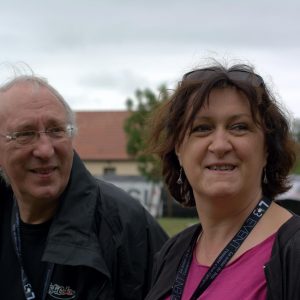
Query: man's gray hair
[(36, 82)]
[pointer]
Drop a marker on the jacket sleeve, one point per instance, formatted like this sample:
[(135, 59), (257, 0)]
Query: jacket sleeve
[(132, 238), (167, 261), (142, 240), (156, 239), (283, 270)]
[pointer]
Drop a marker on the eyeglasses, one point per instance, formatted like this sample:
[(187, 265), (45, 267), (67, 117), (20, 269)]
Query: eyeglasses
[(31, 136), (236, 75)]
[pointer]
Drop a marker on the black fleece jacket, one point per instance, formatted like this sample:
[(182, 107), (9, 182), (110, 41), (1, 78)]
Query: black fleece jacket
[(102, 230)]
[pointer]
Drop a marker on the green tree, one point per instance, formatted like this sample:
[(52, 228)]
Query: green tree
[(296, 134), (136, 129)]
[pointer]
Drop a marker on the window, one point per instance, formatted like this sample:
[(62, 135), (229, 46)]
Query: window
[(109, 170)]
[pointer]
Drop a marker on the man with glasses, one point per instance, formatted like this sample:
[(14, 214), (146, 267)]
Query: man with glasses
[(64, 234)]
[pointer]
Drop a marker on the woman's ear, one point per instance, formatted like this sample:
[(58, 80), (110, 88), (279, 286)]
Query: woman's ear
[(266, 158), (178, 157), (177, 151)]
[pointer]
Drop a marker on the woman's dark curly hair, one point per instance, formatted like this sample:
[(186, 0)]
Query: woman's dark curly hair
[(174, 118)]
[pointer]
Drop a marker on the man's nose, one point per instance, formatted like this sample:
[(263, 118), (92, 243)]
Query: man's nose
[(43, 146)]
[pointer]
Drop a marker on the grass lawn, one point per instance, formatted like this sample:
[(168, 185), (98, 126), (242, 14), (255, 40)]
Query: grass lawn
[(174, 225)]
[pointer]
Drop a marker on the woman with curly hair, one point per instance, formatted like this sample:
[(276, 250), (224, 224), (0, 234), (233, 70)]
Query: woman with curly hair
[(226, 148)]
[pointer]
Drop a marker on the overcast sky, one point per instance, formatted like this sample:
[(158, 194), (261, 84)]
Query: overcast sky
[(97, 53)]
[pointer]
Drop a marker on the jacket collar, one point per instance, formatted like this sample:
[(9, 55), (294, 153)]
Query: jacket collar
[(165, 275), (72, 238)]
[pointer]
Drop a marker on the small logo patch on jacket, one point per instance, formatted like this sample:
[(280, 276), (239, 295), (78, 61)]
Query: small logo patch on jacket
[(60, 292)]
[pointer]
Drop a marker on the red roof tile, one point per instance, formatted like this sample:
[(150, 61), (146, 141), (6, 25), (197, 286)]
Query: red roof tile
[(100, 135)]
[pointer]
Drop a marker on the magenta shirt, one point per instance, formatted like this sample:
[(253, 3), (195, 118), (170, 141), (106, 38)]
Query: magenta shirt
[(243, 278)]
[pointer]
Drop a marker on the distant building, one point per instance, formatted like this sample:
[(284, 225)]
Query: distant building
[(101, 143)]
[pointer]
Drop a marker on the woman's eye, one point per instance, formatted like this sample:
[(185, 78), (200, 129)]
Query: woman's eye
[(203, 128), (240, 127)]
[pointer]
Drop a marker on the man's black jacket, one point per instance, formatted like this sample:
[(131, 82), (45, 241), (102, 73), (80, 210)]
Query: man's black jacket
[(103, 231)]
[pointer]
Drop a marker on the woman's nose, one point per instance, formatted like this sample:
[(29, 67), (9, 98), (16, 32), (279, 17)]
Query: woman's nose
[(221, 143)]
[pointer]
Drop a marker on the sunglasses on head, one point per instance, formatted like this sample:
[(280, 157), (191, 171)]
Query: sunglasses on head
[(235, 75)]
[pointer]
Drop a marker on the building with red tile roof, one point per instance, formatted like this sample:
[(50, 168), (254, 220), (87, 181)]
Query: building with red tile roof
[(101, 142)]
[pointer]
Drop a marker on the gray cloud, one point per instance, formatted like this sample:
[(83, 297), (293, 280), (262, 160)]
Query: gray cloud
[(82, 23), (85, 47), (123, 80)]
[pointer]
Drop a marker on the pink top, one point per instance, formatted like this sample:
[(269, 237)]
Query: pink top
[(243, 278)]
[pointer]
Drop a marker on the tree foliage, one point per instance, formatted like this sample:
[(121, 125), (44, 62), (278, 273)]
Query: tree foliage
[(296, 135), (136, 129)]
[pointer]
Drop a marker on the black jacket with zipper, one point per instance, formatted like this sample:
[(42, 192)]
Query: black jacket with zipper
[(106, 233), (282, 271)]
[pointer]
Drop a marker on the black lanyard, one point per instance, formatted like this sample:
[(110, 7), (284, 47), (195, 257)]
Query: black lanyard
[(221, 260), (16, 237)]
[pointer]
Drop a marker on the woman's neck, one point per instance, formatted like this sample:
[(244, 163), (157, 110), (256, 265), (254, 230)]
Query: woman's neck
[(220, 221), (217, 233), (226, 213)]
